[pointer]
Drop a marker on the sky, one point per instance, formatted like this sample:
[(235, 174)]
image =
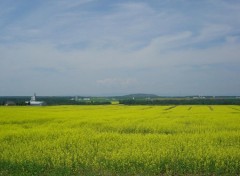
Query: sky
[(105, 47)]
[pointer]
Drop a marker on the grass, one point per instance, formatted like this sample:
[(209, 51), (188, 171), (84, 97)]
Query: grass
[(120, 140)]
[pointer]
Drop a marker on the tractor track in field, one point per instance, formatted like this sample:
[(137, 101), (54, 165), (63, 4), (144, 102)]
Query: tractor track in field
[(210, 108), (169, 108), (235, 109)]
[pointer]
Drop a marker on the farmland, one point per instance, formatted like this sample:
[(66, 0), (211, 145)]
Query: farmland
[(120, 140)]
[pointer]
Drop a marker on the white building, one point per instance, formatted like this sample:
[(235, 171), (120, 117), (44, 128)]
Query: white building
[(34, 102), (86, 99)]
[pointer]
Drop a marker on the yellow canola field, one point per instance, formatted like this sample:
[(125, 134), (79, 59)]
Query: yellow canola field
[(120, 140)]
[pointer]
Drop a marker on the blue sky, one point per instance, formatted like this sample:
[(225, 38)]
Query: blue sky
[(93, 47)]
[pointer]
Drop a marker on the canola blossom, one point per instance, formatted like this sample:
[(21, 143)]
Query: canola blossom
[(120, 140)]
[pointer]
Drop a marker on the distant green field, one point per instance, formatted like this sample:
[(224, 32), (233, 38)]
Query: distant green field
[(120, 140)]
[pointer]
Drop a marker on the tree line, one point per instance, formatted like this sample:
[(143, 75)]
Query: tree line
[(21, 101), (182, 102)]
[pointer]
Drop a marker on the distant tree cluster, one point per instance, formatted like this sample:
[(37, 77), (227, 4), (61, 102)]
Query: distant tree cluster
[(18, 101), (68, 101), (21, 101), (182, 102)]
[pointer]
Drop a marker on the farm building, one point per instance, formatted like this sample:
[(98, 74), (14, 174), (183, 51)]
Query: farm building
[(34, 102)]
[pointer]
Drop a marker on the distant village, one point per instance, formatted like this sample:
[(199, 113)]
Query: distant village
[(131, 99), (33, 102)]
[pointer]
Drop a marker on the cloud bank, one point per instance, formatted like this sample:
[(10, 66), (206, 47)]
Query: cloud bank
[(90, 47)]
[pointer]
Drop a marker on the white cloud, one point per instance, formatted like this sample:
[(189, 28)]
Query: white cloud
[(213, 31), (166, 42)]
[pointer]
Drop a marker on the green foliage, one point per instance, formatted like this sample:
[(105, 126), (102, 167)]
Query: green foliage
[(20, 101), (181, 102), (120, 140)]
